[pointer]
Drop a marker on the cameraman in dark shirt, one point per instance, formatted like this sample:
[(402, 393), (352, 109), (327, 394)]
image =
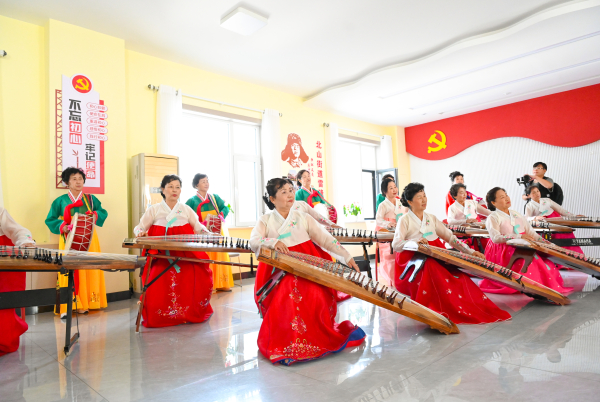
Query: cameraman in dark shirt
[(546, 185)]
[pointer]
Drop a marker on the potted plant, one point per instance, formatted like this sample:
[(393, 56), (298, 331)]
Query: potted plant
[(352, 211)]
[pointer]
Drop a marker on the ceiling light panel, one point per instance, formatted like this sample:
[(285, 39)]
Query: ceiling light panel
[(243, 21)]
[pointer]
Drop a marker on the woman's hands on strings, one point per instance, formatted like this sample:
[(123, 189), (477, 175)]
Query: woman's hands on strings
[(478, 254), (423, 240), (352, 264), (279, 246)]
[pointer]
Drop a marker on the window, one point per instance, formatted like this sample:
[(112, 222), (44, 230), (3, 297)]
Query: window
[(228, 151), (359, 168)]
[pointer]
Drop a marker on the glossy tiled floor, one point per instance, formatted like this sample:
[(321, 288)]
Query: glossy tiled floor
[(545, 353)]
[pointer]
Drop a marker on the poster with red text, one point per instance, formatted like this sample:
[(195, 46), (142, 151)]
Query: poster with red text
[(298, 157), (84, 130)]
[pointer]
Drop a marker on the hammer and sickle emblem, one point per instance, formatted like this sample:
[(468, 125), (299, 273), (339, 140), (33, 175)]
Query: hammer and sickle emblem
[(82, 84), (441, 143)]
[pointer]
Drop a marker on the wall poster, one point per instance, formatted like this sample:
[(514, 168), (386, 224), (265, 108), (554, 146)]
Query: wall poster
[(81, 130), (297, 157)]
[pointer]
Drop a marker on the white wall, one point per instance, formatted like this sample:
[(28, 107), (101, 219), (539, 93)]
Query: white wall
[(500, 161)]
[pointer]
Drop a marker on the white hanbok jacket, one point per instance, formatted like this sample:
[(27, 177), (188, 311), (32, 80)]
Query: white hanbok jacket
[(11, 229), (298, 228), (411, 228), (544, 208), (388, 211), (458, 214), (161, 215), (503, 227)]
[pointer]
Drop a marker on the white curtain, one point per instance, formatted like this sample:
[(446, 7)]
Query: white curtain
[(270, 145), (385, 158), (332, 168), (169, 109)]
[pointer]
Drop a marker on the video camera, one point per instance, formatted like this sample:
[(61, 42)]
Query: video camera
[(525, 180)]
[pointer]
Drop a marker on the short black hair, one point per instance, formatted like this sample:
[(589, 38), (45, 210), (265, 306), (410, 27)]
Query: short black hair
[(409, 193), (299, 176), (454, 189), (166, 180), (388, 176), (455, 174), (531, 187), (491, 196), (541, 163), (70, 171), (385, 184), (273, 187), (197, 178)]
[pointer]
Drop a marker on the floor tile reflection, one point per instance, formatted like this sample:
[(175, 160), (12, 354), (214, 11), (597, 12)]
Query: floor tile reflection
[(545, 352)]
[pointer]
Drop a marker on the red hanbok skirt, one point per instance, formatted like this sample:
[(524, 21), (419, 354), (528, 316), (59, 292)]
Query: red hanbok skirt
[(577, 249), (541, 270), (446, 290), (299, 318), (12, 325), (177, 297)]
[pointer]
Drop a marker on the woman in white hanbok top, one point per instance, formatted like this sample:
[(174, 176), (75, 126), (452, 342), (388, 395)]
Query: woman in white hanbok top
[(182, 294), (298, 315), (539, 209), (438, 286), (388, 213), (504, 224), (464, 211)]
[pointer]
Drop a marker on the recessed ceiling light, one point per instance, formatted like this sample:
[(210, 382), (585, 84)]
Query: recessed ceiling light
[(441, 112), (243, 21), (424, 114), (508, 93)]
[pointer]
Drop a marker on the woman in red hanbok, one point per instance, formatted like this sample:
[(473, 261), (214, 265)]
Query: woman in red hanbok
[(298, 315), (183, 293), (505, 225), (13, 326), (539, 209), (464, 211), (442, 288)]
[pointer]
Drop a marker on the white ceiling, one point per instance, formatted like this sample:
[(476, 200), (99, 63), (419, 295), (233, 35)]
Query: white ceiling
[(552, 51), (362, 50)]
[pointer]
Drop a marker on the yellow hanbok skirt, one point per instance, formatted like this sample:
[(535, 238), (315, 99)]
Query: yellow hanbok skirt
[(92, 290), (222, 276)]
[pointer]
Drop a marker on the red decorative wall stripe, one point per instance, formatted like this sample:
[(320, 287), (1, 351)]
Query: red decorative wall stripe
[(566, 119)]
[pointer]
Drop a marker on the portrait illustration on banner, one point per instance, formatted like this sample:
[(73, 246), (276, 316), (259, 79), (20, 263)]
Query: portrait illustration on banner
[(294, 152)]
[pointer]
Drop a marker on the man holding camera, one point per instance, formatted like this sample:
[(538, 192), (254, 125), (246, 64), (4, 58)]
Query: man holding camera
[(546, 185)]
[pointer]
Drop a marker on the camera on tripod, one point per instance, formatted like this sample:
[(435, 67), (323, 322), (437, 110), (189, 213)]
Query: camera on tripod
[(525, 180)]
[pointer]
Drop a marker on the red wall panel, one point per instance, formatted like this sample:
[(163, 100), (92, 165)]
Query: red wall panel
[(566, 119)]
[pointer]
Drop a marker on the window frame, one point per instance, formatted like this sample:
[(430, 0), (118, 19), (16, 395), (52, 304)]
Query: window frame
[(373, 171), (233, 181), (373, 180)]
